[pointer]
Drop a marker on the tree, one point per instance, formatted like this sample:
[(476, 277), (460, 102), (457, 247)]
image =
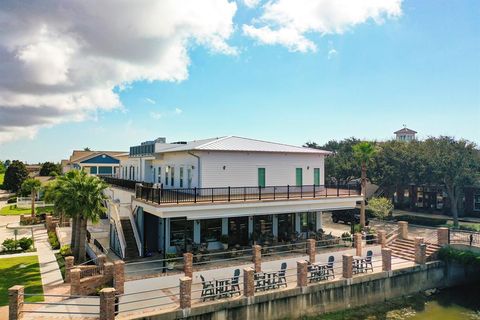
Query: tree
[(81, 197), (2, 167), (364, 153), (453, 164), (50, 169), (31, 186), (380, 207), (86, 149), (15, 174)]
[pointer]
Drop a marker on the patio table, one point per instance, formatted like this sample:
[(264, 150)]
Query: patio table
[(358, 264), (222, 288)]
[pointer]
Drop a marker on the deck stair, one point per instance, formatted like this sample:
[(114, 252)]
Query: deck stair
[(131, 250), (405, 249)]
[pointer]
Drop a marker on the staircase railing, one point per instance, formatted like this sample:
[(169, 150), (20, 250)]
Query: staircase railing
[(118, 226), (136, 234)]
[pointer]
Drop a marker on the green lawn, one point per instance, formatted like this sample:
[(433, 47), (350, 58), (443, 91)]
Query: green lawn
[(12, 210), (20, 271), (2, 175)]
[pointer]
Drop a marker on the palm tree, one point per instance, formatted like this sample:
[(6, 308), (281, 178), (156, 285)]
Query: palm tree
[(364, 152), (31, 186), (81, 197)]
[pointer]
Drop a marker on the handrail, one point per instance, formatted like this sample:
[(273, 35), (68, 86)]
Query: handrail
[(116, 219), (136, 235)]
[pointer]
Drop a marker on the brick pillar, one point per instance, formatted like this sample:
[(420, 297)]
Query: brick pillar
[(382, 238), (15, 302), (347, 266), (311, 250), (119, 276), (257, 257), (69, 261), (386, 259), (49, 223), (248, 282), (420, 251), (403, 230), (302, 273), (75, 282), (108, 271), (442, 236), (101, 260), (107, 304), (188, 264), (185, 293), (357, 238)]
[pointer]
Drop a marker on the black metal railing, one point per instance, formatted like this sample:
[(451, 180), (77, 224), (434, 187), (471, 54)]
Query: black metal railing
[(464, 237), (230, 194)]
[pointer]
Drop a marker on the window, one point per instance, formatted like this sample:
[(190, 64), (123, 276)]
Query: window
[(476, 202), (181, 177), (261, 177), (172, 176), (210, 230), (307, 221), (181, 232), (316, 176), (262, 228), (159, 176), (189, 177), (166, 175), (298, 177), (286, 226), (93, 170)]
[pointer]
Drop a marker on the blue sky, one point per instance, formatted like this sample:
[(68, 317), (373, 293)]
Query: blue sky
[(421, 69)]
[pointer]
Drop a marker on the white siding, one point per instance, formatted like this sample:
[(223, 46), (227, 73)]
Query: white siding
[(241, 168)]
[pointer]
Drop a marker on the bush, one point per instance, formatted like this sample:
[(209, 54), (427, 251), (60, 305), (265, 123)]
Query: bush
[(53, 240), (12, 200), (25, 243), (9, 244), (464, 257), (380, 207), (346, 236), (423, 221), (65, 250)]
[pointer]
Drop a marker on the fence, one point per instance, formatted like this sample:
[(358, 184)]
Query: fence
[(26, 203), (464, 237)]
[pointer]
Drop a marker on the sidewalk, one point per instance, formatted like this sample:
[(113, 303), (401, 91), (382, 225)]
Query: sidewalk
[(397, 212), (49, 270)]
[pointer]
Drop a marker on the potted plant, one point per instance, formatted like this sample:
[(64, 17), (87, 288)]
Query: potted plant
[(170, 260), (224, 241)]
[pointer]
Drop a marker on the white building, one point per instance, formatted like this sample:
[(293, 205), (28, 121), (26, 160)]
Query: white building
[(405, 134), (195, 192)]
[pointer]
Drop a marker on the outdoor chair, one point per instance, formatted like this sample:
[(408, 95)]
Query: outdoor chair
[(330, 270), (208, 289), (282, 279), (235, 286), (368, 261)]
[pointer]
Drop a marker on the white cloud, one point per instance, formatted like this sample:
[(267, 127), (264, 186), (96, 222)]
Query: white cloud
[(178, 111), (61, 61), (251, 3), (156, 115), (151, 101), (332, 53), (288, 22)]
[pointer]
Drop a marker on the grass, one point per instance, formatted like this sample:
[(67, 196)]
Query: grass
[(2, 175), (20, 271), (12, 210)]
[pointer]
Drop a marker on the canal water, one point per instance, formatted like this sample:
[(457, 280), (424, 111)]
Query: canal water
[(459, 303)]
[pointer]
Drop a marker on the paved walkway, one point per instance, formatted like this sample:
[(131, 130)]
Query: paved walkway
[(51, 275)]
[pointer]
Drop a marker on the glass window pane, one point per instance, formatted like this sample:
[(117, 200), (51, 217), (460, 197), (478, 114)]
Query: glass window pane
[(210, 230), (181, 232)]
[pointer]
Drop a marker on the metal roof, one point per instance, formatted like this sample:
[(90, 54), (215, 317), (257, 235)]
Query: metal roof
[(233, 143), (405, 130)]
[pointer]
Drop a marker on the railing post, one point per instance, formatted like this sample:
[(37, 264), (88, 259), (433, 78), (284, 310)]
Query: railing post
[(386, 259), (69, 262), (348, 188), (314, 190), (338, 189), (188, 264), (244, 193), (442, 236), (301, 191), (75, 282), (311, 250), (248, 282), (15, 302), (357, 238), (257, 258), (259, 193), (228, 193), (288, 191), (382, 238), (195, 195), (119, 276), (302, 273), (212, 195), (347, 266), (420, 251), (176, 194), (185, 293), (403, 230), (107, 304), (274, 191)]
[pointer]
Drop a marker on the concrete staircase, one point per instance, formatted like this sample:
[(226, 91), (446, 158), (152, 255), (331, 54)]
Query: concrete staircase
[(131, 250), (405, 249)]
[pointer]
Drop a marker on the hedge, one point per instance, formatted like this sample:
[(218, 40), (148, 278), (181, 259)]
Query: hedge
[(423, 221), (464, 257)]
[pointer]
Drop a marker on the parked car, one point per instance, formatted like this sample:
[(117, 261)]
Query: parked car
[(346, 216)]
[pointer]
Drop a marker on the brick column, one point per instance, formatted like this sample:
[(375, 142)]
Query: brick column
[(188, 264), (75, 282), (257, 257), (69, 261), (248, 282), (420, 251), (386, 259), (402, 230), (302, 273), (347, 266), (442, 236), (311, 250), (382, 238), (185, 293), (357, 238), (101, 260), (49, 223), (119, 276), (107, 304), (108, 271), (15, 302)]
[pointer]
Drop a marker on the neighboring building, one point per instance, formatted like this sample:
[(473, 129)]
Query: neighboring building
[(195, 192), (405, 134), (94, 162)]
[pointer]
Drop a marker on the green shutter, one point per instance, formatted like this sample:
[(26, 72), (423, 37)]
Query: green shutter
[(298, 177), (316, 176), (261, 177)]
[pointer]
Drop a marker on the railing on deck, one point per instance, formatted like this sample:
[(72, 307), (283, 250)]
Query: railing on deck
[(464, 237)]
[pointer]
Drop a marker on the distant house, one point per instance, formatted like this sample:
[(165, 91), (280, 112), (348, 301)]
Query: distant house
[(94, 162), (405, 134)]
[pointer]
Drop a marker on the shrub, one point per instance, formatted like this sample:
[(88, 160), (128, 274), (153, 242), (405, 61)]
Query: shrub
[(9, 244), (423, 221), (464, 257), (346, 236), (12, 200), (380, 207), (25, 243), (53, 240), (65, 250)]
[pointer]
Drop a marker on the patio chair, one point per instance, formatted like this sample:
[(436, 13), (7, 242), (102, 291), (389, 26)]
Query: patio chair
[(208, 289), (235, 286), (368, 261), (330, 270), (282, 279)]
